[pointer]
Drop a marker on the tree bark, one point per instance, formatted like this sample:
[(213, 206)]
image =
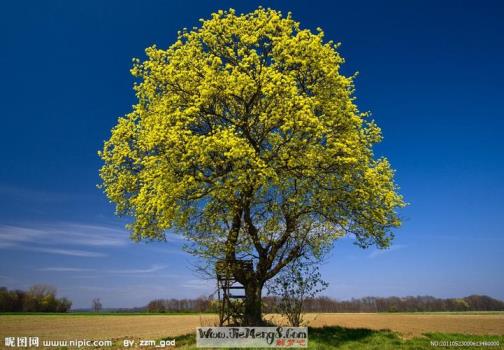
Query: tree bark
[(253, 304)]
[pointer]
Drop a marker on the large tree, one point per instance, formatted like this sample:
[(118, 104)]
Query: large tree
[(246, 140)]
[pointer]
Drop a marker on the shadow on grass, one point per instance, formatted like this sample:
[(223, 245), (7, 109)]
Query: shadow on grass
[(328, 337), (335, 336), (184, 341)]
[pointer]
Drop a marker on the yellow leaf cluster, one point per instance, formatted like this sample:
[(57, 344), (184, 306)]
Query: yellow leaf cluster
[(248, 111)]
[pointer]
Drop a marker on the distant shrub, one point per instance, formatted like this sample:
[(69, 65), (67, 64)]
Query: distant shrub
[(39, 298)]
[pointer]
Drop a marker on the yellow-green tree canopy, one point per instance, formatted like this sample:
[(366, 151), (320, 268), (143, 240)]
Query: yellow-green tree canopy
[(247, 140)]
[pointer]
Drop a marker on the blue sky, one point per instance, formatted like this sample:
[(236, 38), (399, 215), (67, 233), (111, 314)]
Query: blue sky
[(430, 72)]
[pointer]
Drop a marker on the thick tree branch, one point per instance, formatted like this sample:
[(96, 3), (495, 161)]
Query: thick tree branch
[(233, 235), (253, 233), (294, 253)]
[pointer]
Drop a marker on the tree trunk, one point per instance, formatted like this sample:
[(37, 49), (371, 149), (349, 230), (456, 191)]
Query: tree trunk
[(253, 304)]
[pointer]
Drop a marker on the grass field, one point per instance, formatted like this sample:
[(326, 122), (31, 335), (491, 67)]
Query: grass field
[(341, 338), (328, 331)]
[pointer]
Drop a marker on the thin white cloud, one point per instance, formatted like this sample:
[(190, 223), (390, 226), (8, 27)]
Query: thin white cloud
[(379, 252), (138, 271), (197, 284), (92, 235), (11, 235), (64, 233), (69, 252), (64, 269), (153, 268), (62, 238)]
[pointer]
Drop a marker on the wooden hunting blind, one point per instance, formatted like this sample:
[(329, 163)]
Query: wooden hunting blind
[(231, 293)]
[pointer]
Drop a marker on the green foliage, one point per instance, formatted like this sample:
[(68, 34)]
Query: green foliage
[(301, 280)]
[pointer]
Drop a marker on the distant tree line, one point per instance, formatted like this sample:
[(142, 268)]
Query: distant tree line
[(42, 298), (39, 298), (326, 304), (201, 304), (398, 304)]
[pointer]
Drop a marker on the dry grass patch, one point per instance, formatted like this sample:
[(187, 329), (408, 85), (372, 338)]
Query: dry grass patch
[(411, 325), (161, 326), (101, 327)]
